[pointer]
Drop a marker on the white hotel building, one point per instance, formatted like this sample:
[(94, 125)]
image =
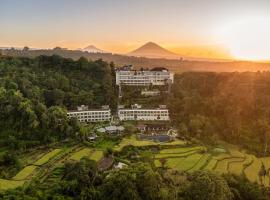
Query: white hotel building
[(156, 76), (137, 113), (83, 114)]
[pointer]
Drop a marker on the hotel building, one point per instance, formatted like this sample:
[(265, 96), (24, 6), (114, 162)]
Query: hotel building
[(136, 112), (156, 76), (83, 114)]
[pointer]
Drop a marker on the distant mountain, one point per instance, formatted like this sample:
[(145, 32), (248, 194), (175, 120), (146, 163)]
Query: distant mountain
[(175, 65), (93, 49), (153, 50)]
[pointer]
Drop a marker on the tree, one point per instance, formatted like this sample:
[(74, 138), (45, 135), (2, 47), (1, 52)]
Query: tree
[(163, 162), (120, 185), (263, 129), (25, 48), (262, 173), (243, 189), (134, 182), (207, 186)]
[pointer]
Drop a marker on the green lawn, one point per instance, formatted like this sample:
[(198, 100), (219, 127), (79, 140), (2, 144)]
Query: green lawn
[(82, 153), (132, 140), (25, 172), (104, 144), (10, 184), (44, 159)]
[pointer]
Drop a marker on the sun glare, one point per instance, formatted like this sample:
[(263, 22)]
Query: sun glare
[(248, 38)]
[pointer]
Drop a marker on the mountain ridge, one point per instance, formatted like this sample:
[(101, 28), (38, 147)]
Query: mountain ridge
[(93, 49), (153, 50)]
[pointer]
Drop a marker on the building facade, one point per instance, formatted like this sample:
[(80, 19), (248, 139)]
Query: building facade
[(128, 76), (150, 92), (138, 113), (83, 114)]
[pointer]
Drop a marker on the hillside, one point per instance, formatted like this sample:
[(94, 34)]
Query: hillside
[(178, 66)]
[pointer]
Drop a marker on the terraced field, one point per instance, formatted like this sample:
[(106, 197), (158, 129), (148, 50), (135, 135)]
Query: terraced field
[(230, 160), (44, 159), (252, 170), (97, 155), (182, 158), (49, 166), (237, 167), (24, 175), (10, 184), (223, 165), (85, 152)]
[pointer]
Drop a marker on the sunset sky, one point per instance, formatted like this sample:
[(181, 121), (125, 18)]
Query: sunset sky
[(211, 28)]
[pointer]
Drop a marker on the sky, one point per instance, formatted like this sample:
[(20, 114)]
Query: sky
[(219, 27)]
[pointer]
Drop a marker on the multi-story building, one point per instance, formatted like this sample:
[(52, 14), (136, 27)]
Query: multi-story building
[(136, 112), (155, 76), (83, 114)]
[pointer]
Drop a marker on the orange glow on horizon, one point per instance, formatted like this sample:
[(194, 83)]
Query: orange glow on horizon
[(248, 38)]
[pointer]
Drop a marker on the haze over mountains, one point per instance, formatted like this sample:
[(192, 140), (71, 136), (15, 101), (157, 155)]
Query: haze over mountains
[(176, 65), (148, 50), (93, 49), (155, 51)]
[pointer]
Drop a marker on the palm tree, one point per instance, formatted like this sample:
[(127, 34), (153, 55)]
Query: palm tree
[(262, 173)]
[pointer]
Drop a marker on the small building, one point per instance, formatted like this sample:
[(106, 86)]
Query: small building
[(146, 92), (153, 128), (92, 137), (119, 165), (111, 129), (101, 130), (84, 114), (134, 106), (105, 163), (121, 106), (142, 127)]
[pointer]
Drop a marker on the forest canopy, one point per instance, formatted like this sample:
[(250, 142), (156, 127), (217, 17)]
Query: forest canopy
[(230, 106), (36, 93)]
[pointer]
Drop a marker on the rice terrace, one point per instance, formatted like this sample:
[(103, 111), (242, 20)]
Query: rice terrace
[(175, 155)]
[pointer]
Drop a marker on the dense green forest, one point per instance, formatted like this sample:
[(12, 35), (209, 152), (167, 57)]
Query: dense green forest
[(35, 94), (231, 106)]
